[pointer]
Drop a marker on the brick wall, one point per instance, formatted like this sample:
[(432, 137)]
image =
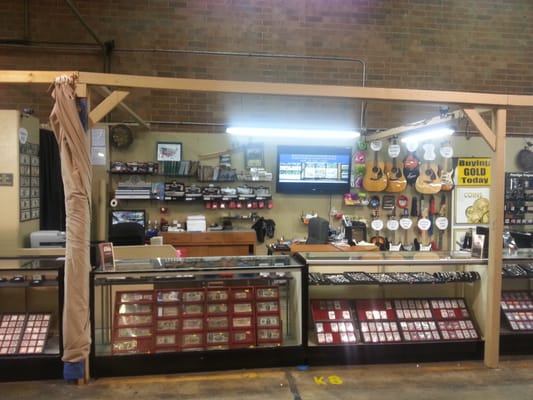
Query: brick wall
[(468, 45)]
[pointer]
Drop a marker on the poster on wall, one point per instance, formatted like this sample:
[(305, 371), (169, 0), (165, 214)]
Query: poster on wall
[(473, 171), (472, 205)]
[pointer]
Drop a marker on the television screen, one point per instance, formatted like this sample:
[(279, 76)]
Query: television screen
[(119, 216), (313, 169)]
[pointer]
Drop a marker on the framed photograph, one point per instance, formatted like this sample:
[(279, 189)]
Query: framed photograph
[(166, 151), (253, 156)]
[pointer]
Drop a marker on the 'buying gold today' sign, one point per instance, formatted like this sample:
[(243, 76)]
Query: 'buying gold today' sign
[(473, 171)]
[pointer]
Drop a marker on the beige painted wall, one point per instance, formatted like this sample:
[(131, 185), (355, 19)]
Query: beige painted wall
[(287, 208), (13, 233)]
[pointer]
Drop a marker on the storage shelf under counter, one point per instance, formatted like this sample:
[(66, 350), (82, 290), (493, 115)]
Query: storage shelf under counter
[(31, 303), (516, 329), (197, 314), (405, 306)]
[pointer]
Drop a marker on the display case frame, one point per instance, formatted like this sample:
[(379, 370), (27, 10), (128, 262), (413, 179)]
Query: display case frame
[(443, 264), (215, 348), (516, 342), (34, 287)]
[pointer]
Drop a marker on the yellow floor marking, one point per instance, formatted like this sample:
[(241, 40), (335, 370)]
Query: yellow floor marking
[(190, 378)]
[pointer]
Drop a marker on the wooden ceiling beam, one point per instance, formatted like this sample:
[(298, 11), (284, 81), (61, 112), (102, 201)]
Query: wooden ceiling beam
[(102, 109), (104, 91), (283, 89)]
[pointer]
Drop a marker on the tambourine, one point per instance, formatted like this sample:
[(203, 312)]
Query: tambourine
[(402, 201)]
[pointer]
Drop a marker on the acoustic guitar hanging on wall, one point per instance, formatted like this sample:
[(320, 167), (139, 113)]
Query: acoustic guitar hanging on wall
[(428, 182), (375, 179), (396, 181)]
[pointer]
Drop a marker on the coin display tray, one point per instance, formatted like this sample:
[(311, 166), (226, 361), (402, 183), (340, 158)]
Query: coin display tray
[(371, 310), (190, 319), (517, 307), (333, 332), (331, 310), (268, 316), (386, 278), (457, 329), (376, 321), (24, 333)]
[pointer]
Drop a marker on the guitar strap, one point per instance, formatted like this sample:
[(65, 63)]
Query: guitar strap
[(414, 207)]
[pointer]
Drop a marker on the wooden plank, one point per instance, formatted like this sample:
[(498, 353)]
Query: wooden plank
[(494, 272), (102, 109), (7, 76), (483, 128), (284, 89), (106, 92), (292, 89), (417, 125)]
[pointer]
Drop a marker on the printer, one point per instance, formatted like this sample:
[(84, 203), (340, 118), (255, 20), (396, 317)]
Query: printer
[(39, 239)]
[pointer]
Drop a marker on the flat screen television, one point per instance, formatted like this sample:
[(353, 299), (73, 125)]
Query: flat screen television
[(120, 216), (313, 169)]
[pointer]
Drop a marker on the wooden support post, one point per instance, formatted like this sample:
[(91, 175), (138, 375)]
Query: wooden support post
[(494, 273)]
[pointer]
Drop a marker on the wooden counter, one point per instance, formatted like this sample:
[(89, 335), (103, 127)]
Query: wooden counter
[(328, 247), (218, 243)]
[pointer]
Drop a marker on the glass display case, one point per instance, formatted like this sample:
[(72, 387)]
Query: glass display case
[(193, 314), (394, 306), (31, 299)]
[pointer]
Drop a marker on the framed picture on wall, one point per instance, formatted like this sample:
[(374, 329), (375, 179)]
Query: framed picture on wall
[(168, 151), (254, 156)]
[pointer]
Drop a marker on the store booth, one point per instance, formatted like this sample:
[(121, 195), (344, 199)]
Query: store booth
[(234, 308)]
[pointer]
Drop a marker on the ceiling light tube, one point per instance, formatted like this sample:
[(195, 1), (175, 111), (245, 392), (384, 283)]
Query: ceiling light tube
[(428, 135), (293, 133)]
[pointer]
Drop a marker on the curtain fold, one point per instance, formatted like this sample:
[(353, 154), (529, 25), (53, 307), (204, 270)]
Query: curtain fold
[(52, 194), (76, 174)]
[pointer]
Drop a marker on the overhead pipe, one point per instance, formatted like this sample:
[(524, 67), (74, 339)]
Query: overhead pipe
[(267, 55), (107, 46)]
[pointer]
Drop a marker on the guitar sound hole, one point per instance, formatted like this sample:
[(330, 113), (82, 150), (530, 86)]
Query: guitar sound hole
[(431, 174)]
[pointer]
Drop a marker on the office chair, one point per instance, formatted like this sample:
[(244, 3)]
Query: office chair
[(126, 234), (317, 231)]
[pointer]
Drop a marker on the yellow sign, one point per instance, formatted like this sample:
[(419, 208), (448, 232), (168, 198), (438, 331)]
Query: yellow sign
[(473, 171)]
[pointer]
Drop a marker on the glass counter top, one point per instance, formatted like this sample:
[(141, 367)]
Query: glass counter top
[(203, 263), (19, 264), (389, 258)]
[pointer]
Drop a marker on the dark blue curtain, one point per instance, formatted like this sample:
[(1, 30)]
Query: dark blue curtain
[(51, 183)]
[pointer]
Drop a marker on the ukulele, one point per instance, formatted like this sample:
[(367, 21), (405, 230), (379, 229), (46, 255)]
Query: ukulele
[(411, 163), (376, 224), (428, 182), (396, 181), (441, 222), (423, 225), (405, 221), (375, 179), (393, 225), (446, 176)]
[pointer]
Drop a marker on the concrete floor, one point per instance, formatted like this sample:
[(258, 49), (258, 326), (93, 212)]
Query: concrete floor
[(437, 381)]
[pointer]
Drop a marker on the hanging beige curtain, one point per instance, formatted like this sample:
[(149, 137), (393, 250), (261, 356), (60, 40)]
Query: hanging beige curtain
[(76, 172)]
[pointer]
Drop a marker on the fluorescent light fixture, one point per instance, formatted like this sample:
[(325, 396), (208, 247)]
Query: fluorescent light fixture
[(428, 135), (292, 133)]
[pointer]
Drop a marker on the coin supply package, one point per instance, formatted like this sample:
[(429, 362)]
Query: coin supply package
[(373, 321)]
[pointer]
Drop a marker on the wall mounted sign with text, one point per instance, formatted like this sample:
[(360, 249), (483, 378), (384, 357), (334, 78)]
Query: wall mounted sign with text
[(473, 171)]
